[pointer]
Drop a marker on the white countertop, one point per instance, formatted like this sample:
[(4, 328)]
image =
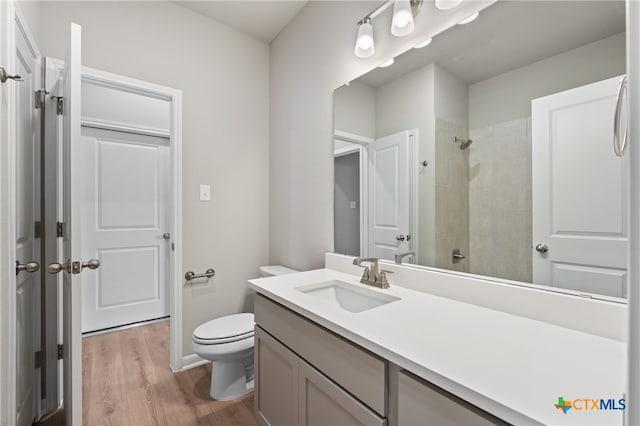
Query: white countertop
[(510, 366)]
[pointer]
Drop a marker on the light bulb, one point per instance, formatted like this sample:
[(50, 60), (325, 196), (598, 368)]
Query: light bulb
[(423, 43), (447, 4), (469, 19), (402, 21), (365, 46)]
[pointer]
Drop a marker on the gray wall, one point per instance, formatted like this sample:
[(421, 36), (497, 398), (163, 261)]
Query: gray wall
[(310, 58), (224, 78), (346, 190)]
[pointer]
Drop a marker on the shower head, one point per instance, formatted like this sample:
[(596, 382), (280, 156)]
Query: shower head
[(463, 144)]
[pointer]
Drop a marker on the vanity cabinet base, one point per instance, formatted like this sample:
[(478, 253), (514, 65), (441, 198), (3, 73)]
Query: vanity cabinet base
[(307, 375), (291, 392)]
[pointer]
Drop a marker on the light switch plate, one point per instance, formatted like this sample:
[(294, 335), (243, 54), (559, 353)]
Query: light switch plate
[(205, 192), (353, 204)]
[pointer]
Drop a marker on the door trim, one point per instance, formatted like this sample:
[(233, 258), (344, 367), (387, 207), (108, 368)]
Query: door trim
[(7, 212), (174, 96), (632, 414), (363, 142)]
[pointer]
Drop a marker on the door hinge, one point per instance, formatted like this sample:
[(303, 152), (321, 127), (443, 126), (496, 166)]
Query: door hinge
[(37, 359), (60, 351), (37, 230), (59, 229), (59, 104), (39, 98)]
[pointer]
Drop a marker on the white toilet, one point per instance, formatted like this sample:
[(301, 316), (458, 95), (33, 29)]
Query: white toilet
[(228, 342)]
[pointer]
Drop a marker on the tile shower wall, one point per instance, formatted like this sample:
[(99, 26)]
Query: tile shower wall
[(500, 200), (452, 196)]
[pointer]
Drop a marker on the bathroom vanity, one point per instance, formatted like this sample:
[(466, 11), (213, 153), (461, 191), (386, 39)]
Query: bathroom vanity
[(330, 350)]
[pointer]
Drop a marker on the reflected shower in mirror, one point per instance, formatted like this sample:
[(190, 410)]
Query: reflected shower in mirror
[(489, 151)]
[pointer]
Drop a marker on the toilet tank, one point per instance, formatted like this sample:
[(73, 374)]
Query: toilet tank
[(272, 270)]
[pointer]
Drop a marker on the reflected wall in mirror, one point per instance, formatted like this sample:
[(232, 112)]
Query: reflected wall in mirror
[(490, 150)]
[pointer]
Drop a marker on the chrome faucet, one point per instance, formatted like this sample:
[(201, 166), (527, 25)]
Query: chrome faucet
[(371, 275), (401, 256)]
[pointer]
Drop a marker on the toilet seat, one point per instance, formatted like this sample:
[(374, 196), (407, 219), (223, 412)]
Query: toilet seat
[(227, 329)]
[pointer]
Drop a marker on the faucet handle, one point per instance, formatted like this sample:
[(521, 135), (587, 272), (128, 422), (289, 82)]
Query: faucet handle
[(382, 278), (365, 274)]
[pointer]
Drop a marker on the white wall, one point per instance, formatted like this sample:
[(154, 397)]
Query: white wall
[(310, 58), (507, 97), (224, 77), (451, 97), (355, 109)]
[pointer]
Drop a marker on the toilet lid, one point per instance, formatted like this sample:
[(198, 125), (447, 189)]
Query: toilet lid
[(225, 329)]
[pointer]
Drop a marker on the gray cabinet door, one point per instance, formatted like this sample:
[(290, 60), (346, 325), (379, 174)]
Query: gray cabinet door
[(323, 403), (276, 381), (421, 403)]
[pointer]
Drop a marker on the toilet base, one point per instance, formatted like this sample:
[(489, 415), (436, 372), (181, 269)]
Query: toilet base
[(231, 379)]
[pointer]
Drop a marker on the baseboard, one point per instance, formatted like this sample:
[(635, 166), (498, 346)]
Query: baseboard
[(192, 361)]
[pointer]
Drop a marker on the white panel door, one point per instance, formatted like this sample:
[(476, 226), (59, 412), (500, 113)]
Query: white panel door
[(580, 192), (124, 197), (389, 196), (27, 247)]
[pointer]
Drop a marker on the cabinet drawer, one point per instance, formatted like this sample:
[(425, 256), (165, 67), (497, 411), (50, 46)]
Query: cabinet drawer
[(422, 403), (356, 370), (324, 403)]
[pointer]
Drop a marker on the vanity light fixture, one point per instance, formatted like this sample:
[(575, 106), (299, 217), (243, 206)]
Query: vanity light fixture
[(469, 19), (365, 46), (386, 63), (401, 24), (424, 43), (447, 4), (402, 21)]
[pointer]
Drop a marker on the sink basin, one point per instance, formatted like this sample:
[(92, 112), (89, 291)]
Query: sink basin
[(347, 296)]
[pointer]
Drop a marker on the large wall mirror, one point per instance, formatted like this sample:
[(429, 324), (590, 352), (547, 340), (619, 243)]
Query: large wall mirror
[(489, 151)]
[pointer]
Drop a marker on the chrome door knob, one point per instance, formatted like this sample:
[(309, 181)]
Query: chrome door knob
[(91, 264), (400, 237), (29, 267), (166, 235), (542, 248), (55, 268)]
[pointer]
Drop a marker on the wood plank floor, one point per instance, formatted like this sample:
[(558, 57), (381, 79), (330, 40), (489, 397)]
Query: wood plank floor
[(126, 380)]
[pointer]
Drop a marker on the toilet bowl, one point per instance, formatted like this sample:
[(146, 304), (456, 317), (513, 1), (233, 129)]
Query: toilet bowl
[(228, 342)]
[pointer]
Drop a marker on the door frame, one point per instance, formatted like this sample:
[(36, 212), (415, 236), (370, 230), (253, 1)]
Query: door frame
[(7, 214), (363, 149), (174, 97)]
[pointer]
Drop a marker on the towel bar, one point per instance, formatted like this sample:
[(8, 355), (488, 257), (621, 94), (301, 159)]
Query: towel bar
[(190, 275)]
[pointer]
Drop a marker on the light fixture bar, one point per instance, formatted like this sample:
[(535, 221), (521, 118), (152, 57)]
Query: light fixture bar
[(401, 26), (384, 6), (415, 7)]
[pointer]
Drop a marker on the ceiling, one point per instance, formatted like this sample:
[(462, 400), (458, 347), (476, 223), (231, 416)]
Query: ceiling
[(260, 19), (509, 35)]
